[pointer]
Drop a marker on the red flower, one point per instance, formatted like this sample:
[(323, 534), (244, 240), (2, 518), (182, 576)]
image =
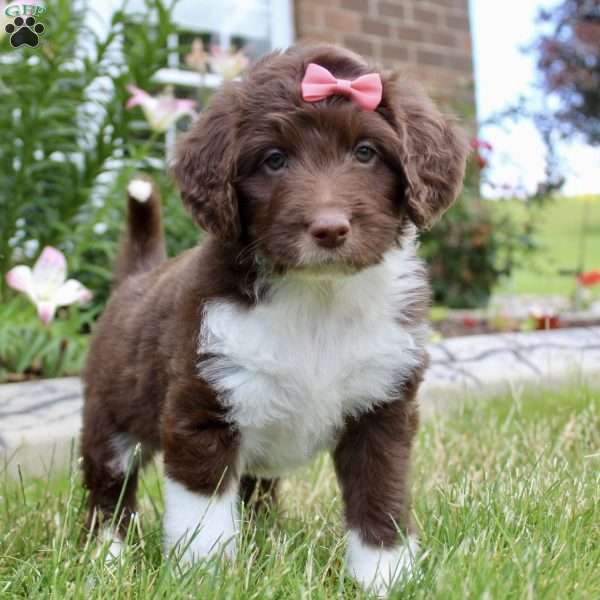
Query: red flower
[(545, 322), (590, 278), (481, 162), (478, 144), (469, 322)]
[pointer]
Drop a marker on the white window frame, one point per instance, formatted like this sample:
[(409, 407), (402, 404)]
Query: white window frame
[(281, 26)]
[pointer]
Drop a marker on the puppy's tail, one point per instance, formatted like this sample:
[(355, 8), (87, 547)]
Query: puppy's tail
[(143, 243)]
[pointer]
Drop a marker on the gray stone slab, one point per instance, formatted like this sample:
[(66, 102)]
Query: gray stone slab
[(489, 364), (39, 423), (40, 420)]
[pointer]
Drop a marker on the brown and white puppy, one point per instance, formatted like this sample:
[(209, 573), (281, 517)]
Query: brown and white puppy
[(298, 325)]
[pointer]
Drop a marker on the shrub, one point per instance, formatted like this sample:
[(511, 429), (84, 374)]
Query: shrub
[(472, 247)]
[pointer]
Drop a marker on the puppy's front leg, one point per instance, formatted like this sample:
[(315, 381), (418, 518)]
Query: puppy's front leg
[(372, 462), (201, 476)]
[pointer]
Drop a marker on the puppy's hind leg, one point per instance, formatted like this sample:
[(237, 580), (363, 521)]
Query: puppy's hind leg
[(258, 494), (111, 461)]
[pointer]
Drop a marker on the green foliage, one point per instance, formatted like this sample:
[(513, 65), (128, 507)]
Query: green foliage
[(67, 142), (473, 247), (567, 242), (68, 147), (28, 348)]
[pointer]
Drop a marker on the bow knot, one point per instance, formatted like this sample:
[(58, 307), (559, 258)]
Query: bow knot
[(319, 83)]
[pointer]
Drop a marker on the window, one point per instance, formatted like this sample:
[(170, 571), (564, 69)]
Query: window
[(254, 26)]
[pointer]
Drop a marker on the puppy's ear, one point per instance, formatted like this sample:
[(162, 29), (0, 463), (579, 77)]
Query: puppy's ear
[(204, 168), (432, 150)]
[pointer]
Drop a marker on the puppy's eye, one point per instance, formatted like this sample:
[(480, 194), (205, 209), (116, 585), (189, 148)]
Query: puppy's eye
[(364, 153), (276, 160)]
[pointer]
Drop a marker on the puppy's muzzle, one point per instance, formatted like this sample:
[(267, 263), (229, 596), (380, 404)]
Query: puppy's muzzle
[(329, 229)]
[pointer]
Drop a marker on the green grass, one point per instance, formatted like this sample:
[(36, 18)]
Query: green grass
[(507, 494), (559, 237)]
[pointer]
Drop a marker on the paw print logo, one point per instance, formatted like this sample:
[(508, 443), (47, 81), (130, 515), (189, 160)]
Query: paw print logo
[(24, 32)]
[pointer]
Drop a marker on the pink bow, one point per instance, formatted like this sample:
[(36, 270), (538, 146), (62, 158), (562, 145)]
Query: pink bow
[(318, 83)]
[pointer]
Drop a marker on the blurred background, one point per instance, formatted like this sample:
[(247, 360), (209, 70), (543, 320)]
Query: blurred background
[(108, 86)]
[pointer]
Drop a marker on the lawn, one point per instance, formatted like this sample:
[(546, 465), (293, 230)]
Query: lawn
[(559, 238), (507, 495)]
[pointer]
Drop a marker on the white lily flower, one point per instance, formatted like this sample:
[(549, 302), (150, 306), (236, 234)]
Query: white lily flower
[(160, 111), (228, 64), (46, 285)]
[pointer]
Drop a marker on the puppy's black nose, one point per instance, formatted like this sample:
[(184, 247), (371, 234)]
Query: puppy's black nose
[(330, 230)]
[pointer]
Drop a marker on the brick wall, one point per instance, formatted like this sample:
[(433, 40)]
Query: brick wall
[(430, 40)]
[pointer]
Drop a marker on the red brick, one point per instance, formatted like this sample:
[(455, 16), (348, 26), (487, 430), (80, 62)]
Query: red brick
[(443, 38), (376, 27), (308, 16), (430, 38), (466, 45), (409, 33), (458, 5), (427, 57), (361, 6), (421, 15), (322, 36), (359, 44), (342, 20), (457, 22), (459, 63), (391, 8), (391, 51), (320, 3)]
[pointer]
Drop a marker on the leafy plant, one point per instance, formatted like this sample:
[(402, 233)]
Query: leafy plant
[(68, 144), (28, 348), (68, 147), (471, 248)]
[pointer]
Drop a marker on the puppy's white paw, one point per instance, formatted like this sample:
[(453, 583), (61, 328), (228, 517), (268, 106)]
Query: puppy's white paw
[(109, 537), (377, 569), (199, 526)]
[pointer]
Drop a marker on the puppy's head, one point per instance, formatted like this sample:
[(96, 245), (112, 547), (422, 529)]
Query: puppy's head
[(320, 185)]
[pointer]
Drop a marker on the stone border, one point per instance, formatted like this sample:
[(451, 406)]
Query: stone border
[(40, 420)]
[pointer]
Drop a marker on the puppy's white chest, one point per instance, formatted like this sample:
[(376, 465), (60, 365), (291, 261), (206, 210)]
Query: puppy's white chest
[(293, 367)]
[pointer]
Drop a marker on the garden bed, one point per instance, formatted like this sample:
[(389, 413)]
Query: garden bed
[(460, 323), (518, 313)]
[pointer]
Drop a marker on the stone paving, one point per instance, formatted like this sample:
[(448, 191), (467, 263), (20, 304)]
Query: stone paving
[(40, 420), (482, 365)]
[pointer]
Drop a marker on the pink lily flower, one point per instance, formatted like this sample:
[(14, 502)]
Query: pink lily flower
[(196, 59), (46, 285), (160, 111)]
